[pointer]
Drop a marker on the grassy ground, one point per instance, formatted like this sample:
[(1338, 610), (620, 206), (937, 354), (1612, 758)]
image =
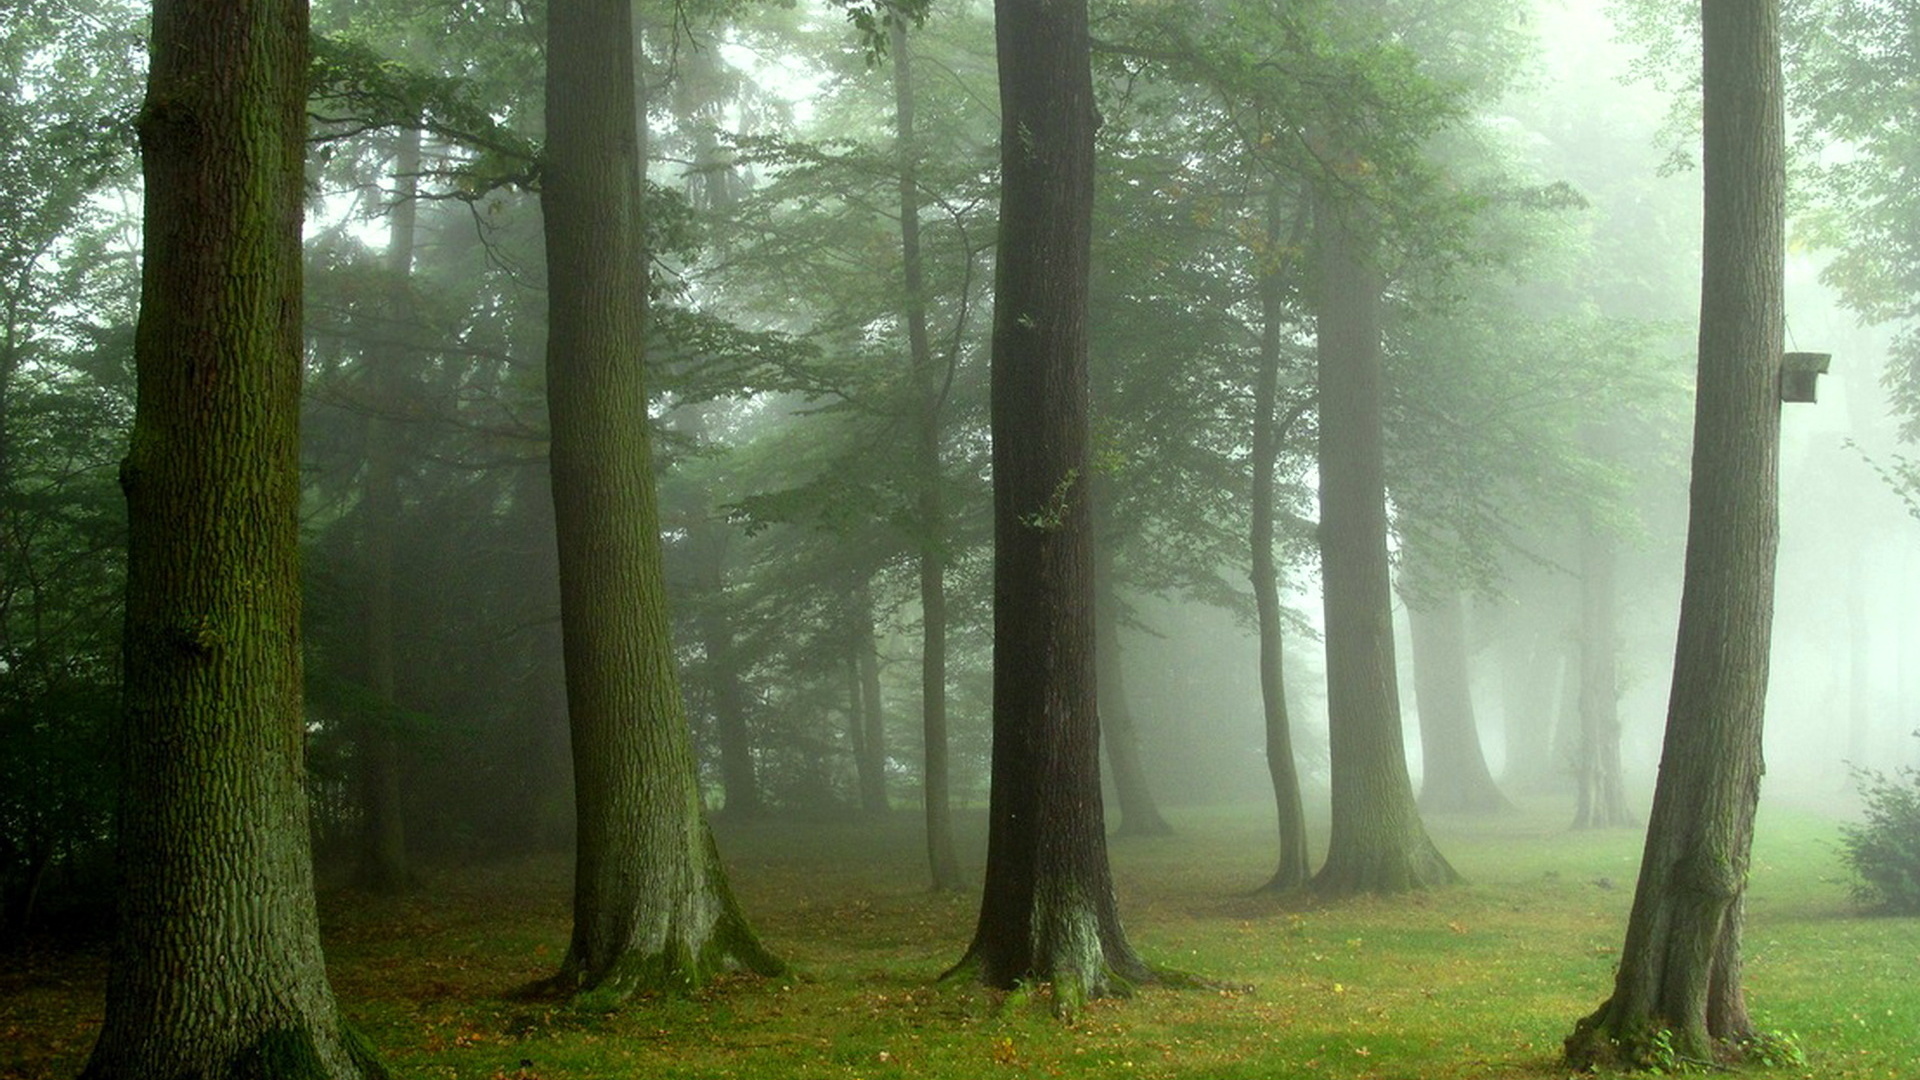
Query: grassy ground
[(1482, 980)]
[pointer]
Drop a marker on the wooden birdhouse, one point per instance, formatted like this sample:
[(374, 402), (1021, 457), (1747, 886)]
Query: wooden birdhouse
[(1798, 373)]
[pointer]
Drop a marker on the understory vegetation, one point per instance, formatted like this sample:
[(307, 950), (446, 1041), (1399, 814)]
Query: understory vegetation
[(1472, 981), (1883, 850)]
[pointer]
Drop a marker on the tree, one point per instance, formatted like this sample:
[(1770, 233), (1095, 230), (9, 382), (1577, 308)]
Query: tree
[(1048, 913), (1292, 870), (383, 852), (1454, 773), (1600, 800), (67, 288), (1378, 843), (652, 906), (1679, 979), (929, 501), (216, 967)]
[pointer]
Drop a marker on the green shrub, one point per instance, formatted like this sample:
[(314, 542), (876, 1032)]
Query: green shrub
[(1884, 849)]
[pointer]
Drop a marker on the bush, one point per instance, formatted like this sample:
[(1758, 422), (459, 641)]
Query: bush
[(1884, 850)]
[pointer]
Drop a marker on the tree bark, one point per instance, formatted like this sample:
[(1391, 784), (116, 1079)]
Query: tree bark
[(652, 906), (1679, 970), (1454, 774), (929, 479), (216, 965), (1378, 843), (1048, 913), (1293, 868), (383, 839)]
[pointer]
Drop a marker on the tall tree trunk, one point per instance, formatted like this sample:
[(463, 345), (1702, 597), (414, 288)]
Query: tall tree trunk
[(1861, 641), (1378, 843), (727, 695), (1139, 813), (652, 907), (929, 479), (1601, 801), (1530, 663), (383, 839), (1566, 713), (1048, 912), (216, 967), (1292, 870), (1454, 774), (870, 722), (545, 788), (1679, 968)]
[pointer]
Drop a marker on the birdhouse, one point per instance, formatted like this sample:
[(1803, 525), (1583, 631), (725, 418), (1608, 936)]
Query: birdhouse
[(1799, 371)]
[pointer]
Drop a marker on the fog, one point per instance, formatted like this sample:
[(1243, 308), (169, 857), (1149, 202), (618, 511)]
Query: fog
[(1542, 286)]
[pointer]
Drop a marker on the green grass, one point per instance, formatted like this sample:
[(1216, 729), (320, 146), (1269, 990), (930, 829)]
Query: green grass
[(1481, 980)]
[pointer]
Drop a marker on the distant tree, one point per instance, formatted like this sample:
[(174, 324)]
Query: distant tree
[(1292, 870), (1600, 799), (1454, 773), (1679, 979), (1048, 913), (384, 866), (652, 906), (216, 967), (932, 529)]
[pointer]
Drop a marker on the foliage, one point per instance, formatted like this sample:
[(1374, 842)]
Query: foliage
[(1857, 132), (1883, 851), (68, 83)]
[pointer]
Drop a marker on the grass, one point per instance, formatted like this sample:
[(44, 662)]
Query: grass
[(1481, 980)]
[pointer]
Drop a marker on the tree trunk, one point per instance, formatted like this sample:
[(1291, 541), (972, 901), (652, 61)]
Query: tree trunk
[(1378, 843), (1565, 741), (739, 776), (1139, 813), (727, 695), (652, 907), (383, 838), (1292, 871), (929, 478), (1048, 913), (1861, 641), (216, 965), (1679, 973), (1601, 802), (1529, 679), (1454, 774), (869, 712)]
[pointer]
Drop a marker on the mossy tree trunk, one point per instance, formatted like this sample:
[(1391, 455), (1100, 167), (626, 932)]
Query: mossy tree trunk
[(1378, 843), (216, 965), (1679, 979), (652, 907), (1048, 914), (929, 496), (1292, 869)]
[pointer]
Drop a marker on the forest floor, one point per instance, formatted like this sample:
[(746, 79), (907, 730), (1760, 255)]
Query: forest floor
[(1480, 980)]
